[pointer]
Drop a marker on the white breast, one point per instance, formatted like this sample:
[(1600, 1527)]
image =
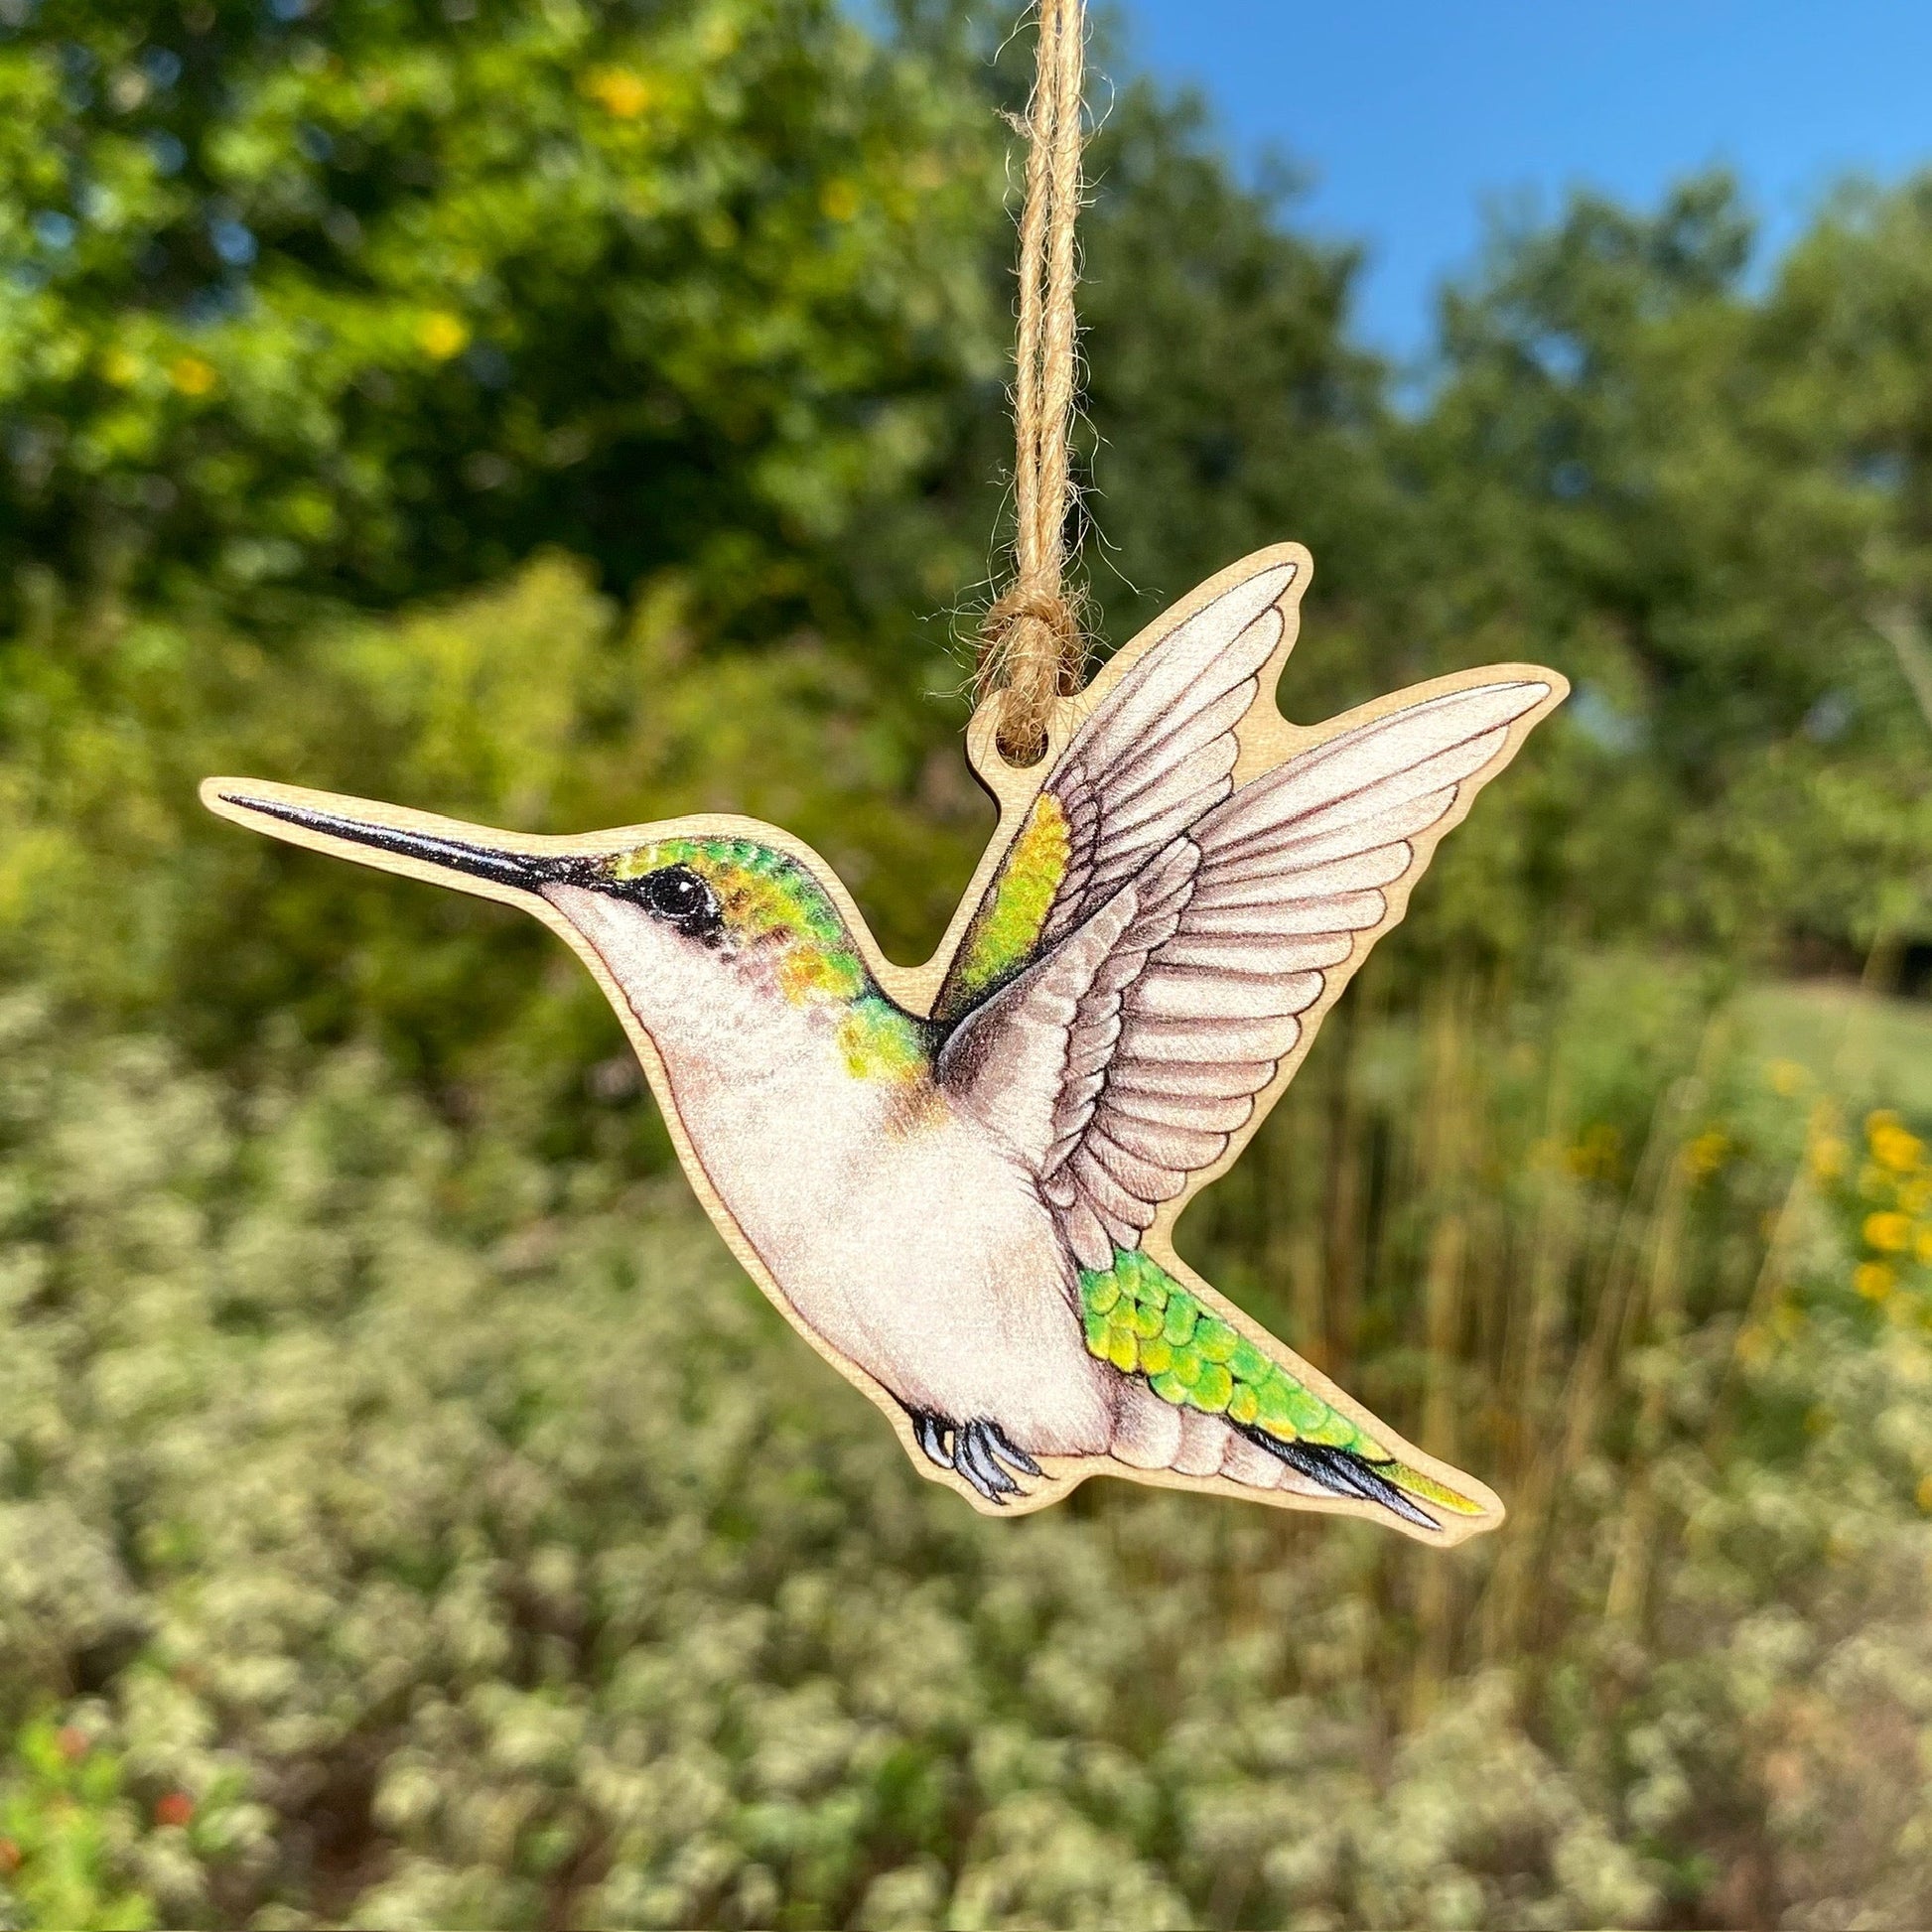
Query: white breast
[(897, 1228)]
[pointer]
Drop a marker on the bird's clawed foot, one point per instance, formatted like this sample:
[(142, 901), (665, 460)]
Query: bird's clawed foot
[(978, 1451)]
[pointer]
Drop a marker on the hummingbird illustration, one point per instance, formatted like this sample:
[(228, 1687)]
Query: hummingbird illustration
[(960, 1181)]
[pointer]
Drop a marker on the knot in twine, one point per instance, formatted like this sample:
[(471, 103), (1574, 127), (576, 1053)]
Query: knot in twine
[(1032, 651), (1032, 647)]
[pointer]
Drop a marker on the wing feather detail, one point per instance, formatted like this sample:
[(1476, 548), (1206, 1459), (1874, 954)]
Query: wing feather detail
[(1207, 1115), (1187, 1081), (1223, 907), (1313, 847), (1209, 1043), (1256, 955), (1124, 1057), (1157, 752)]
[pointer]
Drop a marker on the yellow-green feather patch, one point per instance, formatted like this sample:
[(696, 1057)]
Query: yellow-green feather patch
[(1009, 922), (1427, 1489), (1137, 1316), (880, 1043)]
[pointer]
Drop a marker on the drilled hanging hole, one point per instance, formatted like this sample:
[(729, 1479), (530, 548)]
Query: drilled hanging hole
[(1019, 754)]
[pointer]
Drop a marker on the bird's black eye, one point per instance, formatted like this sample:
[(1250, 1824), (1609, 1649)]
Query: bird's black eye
[(676, 894)]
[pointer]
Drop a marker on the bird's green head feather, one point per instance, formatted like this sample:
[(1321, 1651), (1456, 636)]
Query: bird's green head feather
[(763, 908), (754, 897)]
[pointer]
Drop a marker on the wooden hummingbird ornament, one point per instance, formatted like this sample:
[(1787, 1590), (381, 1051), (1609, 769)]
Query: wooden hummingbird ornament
[(960, 1181)]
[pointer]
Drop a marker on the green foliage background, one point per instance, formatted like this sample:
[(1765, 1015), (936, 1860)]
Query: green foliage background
[(576, 412)]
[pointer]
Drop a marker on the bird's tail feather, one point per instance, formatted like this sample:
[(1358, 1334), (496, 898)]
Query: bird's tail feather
[(1346, 1472), (1149, 1326)]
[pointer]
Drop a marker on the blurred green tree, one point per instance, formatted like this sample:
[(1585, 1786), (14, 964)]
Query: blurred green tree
[(710, 298), (1227, 406), (739, 269), (1705, 504), (367, 301)]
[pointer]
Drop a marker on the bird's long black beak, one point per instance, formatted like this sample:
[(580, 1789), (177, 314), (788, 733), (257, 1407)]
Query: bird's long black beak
[(397, 841)]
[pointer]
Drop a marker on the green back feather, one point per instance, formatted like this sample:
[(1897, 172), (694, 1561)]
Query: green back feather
[(1141, 1320)]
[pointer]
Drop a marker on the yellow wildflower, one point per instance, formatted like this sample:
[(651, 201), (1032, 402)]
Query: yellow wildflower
[(621, 94), (191, 375), (1889, 1232), (442, 334), (122, 367), (1873, 1280), (1891, 1146), (1786, 1077), (1705, 1153), (1922, 1245)]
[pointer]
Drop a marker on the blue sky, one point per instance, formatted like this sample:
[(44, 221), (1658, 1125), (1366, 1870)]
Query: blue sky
[(1413, 117)]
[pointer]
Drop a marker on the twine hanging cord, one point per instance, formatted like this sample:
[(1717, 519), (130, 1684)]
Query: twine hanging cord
[(1031, 648)]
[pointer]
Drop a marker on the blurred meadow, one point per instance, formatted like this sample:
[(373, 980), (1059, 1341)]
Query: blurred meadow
[(562, 413)]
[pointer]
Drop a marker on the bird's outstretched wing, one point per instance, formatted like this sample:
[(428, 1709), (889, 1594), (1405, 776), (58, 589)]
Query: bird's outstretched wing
[(1157, 754), (1126, 1053)]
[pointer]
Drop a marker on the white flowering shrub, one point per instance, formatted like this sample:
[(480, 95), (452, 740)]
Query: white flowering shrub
[(400, 1534)]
